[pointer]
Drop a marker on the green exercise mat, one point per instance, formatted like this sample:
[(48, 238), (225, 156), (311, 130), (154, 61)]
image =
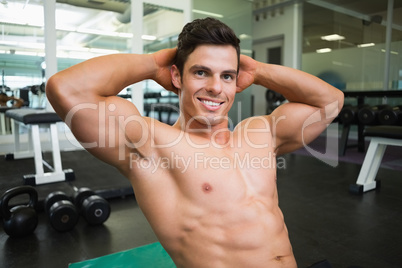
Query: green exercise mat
[(152, 255)]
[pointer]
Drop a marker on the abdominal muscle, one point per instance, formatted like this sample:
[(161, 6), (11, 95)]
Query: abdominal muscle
[(249, 232), (215, 217)]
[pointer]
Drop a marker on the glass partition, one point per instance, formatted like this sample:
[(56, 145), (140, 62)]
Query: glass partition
[(161, 27), (348, 50), (86, 30), (21, 50)]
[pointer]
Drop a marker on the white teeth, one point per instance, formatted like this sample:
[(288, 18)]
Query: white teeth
[(211, 103)]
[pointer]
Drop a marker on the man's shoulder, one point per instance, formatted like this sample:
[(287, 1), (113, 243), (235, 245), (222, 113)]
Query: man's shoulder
[(163, 134), (255, 122)]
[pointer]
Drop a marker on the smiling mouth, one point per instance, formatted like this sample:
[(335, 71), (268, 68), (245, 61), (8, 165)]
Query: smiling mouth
[(210, 103)]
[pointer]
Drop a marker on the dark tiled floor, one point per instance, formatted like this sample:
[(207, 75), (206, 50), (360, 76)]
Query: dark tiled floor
[(324, 220)]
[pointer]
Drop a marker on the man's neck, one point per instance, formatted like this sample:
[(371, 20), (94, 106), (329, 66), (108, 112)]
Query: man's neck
[(218, 133)]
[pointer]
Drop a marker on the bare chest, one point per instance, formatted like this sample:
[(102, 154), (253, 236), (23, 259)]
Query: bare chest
[(218, 176)]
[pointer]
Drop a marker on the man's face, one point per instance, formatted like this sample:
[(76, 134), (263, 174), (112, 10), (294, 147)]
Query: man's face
[(208, 86)]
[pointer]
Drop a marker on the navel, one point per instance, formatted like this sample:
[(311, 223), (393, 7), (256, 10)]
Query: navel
[(207, 188), (278, 258)]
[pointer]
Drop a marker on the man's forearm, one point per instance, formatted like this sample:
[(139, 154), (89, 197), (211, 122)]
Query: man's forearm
[(103, 76), (297, 86)]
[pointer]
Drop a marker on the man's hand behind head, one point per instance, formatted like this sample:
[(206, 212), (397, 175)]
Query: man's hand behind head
[(163, 61), (247, 71)]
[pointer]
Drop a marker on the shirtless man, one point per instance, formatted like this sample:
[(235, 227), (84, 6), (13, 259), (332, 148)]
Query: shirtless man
[(207, 191)]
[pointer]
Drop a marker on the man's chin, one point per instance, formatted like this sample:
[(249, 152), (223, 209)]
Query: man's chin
[(211, 120)]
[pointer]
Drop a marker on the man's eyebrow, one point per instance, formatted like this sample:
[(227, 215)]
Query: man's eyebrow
[(231, 71), (202, 67)]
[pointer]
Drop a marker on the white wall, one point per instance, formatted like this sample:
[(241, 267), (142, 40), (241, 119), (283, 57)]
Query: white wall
[(283, 23), (288, 23)]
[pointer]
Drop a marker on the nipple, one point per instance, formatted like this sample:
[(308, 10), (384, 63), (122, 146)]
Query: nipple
[(206, 187)]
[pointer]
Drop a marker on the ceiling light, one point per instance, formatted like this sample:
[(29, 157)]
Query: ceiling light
[(246, 51), (392, 52), (148, 37), (103, 51), (26, 53), (332, 37), (29, 45), (323, 50), (366, 45), (244, 36), (207, 13)]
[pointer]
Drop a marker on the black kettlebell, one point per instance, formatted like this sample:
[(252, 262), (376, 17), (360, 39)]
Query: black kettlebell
[(19, 220)]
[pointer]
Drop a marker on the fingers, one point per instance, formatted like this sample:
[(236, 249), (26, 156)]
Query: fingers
[(164, 58)]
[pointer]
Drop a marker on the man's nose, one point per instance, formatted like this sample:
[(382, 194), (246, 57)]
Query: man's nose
[(215, 85)]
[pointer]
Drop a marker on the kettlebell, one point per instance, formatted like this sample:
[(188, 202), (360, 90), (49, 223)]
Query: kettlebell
[(19, 220)]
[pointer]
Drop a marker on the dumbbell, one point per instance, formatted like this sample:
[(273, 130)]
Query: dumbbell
[(369, 115), (62, 213), (19, 220), (94, 208), (391, 116), (348, 114)]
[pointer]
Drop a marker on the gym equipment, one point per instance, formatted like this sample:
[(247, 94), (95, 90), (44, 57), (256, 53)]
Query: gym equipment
[(94, 208), (369, 115), (274, 99), (34, 119), (168, 108), (3, 120), (62, 214), (38, 89), (273, 96), (160, 104), (361, 97), (20, 220), (149, 106), (151, 256), (391, 116), (348, 116), (381, 136)]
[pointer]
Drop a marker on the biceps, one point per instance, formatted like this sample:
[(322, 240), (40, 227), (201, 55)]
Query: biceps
[(107, 128), (296, 125)]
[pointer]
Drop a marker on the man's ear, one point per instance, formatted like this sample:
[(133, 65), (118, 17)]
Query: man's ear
[(176, 78)]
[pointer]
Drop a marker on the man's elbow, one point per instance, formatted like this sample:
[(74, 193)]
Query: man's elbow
[(336, 103), (54, 89), (340, 99)]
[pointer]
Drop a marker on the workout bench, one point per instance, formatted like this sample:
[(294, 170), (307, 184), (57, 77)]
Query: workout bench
[(3, 121), (381, 136), (33, 120)]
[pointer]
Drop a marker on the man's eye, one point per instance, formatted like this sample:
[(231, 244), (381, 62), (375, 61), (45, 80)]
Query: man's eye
[(200, 73), (228, 77)]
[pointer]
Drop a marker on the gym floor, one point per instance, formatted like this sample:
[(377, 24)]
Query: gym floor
[(324, 220)]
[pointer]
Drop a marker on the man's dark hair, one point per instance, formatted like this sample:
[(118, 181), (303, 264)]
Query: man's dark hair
[(208, 31)]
